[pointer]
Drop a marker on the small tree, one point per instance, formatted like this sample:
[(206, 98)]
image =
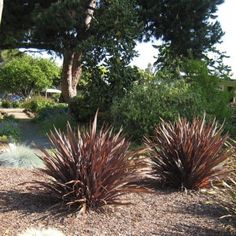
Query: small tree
[(25, 75)]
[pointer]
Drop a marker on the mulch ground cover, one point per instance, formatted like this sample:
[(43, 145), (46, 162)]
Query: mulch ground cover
[(164, 213)]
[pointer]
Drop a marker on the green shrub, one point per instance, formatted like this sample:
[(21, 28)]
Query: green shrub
[(57, 120), (143, 108), (54, 115), (90, 169), (15, 104), (3, 139), (6, 104), (230, 123), (83, 109), (10, 128), (20, 156), (9, 104), (99, 87), (37, 103), (51, 110), (188, 155)]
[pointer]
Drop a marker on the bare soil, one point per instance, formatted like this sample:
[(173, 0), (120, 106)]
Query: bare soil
[(162, 213)]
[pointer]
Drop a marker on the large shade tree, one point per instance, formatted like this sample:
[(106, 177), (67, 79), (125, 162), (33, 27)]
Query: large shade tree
[(188, 29), (83, 32)]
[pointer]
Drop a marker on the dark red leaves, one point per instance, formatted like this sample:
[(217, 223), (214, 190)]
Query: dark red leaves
[(90, 169), (188, 155)]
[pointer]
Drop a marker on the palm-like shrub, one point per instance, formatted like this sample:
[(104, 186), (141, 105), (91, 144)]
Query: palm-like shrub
[(228, 200), (90, 169), (226, 191), (188, 155)]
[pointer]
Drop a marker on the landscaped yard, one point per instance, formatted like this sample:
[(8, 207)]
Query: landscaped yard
[(163, 213), (95, 143)]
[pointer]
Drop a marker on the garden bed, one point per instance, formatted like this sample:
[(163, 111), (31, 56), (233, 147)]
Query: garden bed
[(161, 213)]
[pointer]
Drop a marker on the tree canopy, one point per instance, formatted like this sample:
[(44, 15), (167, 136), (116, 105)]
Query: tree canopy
[(83, 32), (187, 29), (24, 75), (87, 33)]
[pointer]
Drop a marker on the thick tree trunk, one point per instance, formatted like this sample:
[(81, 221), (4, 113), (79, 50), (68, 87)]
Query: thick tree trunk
[(72, 64), (71, 73), (1, 9)]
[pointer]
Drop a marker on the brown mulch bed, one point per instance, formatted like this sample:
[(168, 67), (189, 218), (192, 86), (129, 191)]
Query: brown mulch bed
[(162, 213)]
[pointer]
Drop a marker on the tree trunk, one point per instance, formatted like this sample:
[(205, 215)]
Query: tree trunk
[(72, 64), (1, 9), (71, 73)]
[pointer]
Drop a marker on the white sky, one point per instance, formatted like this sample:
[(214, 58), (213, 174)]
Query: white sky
[(226, 16)]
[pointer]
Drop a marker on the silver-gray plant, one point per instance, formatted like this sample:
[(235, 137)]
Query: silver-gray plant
[(20, 156)]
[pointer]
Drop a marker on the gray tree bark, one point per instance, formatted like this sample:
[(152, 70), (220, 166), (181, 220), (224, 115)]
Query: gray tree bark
[(72, 62)]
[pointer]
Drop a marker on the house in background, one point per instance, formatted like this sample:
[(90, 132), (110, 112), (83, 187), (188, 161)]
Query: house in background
[(229, 86)]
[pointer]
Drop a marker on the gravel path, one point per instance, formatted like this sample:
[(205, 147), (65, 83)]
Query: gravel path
[(162, 213)]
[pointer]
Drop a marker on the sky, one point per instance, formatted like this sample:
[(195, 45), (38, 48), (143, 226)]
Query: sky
[(226, 16)]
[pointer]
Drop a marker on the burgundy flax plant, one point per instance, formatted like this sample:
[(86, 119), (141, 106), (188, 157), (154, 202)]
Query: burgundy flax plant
[(90, 169), (188, 155)]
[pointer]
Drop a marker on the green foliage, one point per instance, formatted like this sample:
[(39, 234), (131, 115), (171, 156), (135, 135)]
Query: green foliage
[(53, 115), (37, 103), (206, 84), (6, 104), (230, 123), (8, 55), (25, 75), (56, 120), (10, 128), (141, 109), (61, 27), (188, 155), (90, 169), (3, 139), (20, 156), (9, 104), (82, 108), (194, 92), (187, 30), (99, 87)]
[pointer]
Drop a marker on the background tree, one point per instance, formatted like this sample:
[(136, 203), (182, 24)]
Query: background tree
[(84, 32), (187, 29), (25, 75), (8, 55)]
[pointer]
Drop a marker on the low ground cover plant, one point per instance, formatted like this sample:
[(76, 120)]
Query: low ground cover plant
[(10, 128), (90, 169), (187, 155), (20, 156)]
